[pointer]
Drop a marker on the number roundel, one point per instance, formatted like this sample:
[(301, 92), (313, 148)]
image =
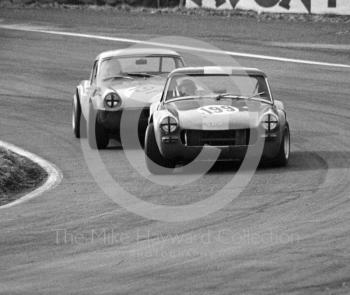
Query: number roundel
[(217, 109)]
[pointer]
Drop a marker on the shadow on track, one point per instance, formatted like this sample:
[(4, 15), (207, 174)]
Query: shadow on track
[(299, 161)]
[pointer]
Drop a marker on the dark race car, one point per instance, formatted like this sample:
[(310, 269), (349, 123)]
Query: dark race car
[(226, 108)]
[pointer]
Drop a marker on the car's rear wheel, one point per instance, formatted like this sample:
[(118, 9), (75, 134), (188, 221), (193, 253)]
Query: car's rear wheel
[(155, 162), (98, 137), (284, 151), (78, 120)]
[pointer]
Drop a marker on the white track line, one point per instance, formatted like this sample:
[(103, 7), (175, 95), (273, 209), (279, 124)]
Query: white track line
[(54, 174), (305, 45), (27, 28)]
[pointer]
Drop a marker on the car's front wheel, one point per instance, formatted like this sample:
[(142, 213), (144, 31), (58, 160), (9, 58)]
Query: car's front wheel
[(98, 137), (155, 162), (284, 151)]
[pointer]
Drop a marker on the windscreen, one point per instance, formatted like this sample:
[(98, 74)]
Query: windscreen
[(149, 64), (213, 85)]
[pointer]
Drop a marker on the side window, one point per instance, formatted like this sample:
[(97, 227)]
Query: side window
[(168, 64), (93, 73), (165, 94), (179, 63), (262, 87), (171, 89), (269, 91)]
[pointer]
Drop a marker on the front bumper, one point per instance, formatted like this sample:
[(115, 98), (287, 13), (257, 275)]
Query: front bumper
[(172, 147), (112, 120)]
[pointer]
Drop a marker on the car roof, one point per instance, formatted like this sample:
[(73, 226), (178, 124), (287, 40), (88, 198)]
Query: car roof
[(211, 70), (136, 52)]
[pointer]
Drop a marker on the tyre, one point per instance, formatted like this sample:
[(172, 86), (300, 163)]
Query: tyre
[(141, 137), (78, 120), (97, 135), (155, 162), (284, 151)]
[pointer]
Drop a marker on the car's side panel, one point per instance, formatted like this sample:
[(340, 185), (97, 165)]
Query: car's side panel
[(84, 90), (153, 108), (158, 115), (279, 104)]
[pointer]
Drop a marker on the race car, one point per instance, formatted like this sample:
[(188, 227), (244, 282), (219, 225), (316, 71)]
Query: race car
[(226, 108), (122, 81)]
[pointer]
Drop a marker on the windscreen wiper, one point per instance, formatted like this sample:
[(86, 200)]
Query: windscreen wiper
[(229, 95), (259, 97), (256, 96), (139, 74), (116, 77), (183, 98)]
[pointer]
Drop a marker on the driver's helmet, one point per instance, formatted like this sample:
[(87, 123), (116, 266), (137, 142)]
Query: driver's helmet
[(187, 88)]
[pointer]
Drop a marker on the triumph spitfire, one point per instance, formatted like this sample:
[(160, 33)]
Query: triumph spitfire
[(226, 108), (124, 82)]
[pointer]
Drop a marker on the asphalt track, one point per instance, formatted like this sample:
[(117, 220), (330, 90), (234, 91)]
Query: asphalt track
[(287, 233)]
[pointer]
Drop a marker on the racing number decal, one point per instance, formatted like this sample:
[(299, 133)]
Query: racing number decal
[(217, 109)]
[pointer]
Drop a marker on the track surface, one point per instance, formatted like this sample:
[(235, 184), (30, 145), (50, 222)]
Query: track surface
[(288, 232)]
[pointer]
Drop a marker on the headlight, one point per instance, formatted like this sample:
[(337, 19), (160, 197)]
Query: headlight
[(168, 124), (113, 100), (269, 122)]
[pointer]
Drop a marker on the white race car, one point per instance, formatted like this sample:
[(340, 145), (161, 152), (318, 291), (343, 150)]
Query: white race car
[(125, 82), (229, 109)]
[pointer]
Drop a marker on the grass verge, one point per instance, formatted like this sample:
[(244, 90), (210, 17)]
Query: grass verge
[(17, 176)]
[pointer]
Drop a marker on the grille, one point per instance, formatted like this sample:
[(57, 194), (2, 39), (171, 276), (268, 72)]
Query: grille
[(238, 137)]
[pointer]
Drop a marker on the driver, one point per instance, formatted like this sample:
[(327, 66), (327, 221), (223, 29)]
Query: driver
[(187, 88)]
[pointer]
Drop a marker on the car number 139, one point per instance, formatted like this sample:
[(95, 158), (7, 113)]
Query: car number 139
[(216, 109)]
